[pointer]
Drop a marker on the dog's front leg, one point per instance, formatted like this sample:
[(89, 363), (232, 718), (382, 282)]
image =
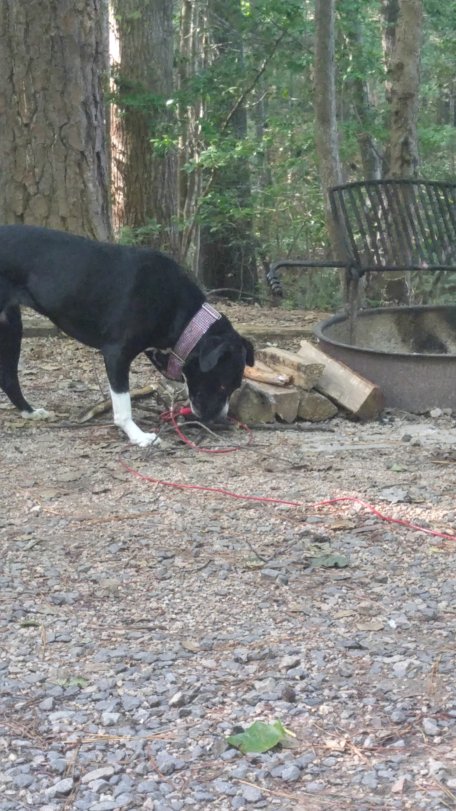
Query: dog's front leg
[(117, 370), (121, 406)]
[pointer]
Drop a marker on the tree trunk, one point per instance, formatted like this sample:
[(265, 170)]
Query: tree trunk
[(390, 14), (144, 173), (53, 63), (360, 99), (227, 254), (326, 131), (403, 20), (193, 31), (326, 134), (405, 85)]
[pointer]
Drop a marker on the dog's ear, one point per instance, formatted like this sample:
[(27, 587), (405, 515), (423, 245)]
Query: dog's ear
[(211, 350), (249, 352)]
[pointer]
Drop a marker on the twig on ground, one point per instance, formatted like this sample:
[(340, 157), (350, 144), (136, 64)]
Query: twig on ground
[(105, 405)]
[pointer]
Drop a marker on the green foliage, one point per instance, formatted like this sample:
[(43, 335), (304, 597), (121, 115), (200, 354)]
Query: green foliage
[(254, 149), (143, 235)]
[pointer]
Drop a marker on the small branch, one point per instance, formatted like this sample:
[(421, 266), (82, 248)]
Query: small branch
[(254, 81), (105, 405)]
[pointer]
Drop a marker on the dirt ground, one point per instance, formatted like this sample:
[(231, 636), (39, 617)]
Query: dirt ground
[(345, 621)]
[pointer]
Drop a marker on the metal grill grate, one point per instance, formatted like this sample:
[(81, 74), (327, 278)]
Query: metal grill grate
[(386, 225)]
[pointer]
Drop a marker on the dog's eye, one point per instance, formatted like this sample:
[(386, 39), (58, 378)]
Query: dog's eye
[(222, 389)]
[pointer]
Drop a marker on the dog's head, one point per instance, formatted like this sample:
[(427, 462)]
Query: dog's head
[(214, 369)]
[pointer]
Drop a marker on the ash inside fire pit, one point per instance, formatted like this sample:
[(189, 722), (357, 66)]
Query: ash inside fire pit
[(410, 352)]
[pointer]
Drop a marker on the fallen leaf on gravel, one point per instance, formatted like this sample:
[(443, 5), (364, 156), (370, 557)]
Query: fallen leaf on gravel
[(191, 645), (259, 737), (70, 476), (396, 468), (394, 495), (329, 562), (398, 786), (371, 625), (342, 523), (336, 744)]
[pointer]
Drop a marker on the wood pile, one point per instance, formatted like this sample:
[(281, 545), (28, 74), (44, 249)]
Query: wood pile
[(306, 385)]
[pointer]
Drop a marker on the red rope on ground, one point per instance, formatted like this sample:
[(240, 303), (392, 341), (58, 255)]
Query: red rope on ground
[(268, 500), (171, 417)]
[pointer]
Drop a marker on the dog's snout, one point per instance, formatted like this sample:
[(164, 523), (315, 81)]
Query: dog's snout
[(209, 412)]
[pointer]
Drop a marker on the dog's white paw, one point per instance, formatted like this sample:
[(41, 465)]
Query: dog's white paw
[(37, 414), (145, 440)]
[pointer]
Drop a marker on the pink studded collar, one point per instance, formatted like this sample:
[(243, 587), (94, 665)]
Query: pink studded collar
[(198, 326)]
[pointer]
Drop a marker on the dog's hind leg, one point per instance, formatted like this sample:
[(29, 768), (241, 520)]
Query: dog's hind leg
[(117, 369), (10, 350)]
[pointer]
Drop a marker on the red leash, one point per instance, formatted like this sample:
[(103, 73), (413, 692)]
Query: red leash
[(171, 417), (268, 500)]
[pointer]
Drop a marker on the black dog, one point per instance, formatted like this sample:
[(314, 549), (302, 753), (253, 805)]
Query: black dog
[(122, 301)]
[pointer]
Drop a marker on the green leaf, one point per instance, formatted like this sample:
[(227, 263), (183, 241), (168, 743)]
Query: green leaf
[(330, 561), (259, 737), (73, 681)]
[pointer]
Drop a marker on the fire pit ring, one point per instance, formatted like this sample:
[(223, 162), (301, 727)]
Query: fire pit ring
[(410, 352)]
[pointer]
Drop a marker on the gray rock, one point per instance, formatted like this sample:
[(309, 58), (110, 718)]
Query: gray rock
[(224, 787), (97, 774), (130, 702), (62, 788), (315, 786), (251, 794), (148, 787), (166, 763), (203, 796), (240, 771), (47, 704), (177, 700), (109, 719), (289, 661), (290, 773), (124, 800), (430, 727), (23, 780)]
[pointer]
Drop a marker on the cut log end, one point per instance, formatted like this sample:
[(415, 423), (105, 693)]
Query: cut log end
[(351, 391)]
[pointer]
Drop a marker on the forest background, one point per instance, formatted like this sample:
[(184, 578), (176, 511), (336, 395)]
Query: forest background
[(212, 129)]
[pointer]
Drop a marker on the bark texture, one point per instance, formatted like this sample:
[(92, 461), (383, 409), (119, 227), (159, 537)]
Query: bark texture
[(144, 177), (227, 252), (405, 85), (53, 60), (326, 132), (403, 22)]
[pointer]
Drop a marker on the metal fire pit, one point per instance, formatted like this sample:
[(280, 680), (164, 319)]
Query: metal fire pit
[(410, 352)]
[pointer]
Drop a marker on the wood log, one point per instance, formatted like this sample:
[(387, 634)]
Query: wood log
[(264, 374), (105, 405), (249, 405), (315, 407), (347, 388), (261, 402), (304, 374)]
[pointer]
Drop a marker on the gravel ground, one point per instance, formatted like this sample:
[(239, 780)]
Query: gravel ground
[(141, 624)]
